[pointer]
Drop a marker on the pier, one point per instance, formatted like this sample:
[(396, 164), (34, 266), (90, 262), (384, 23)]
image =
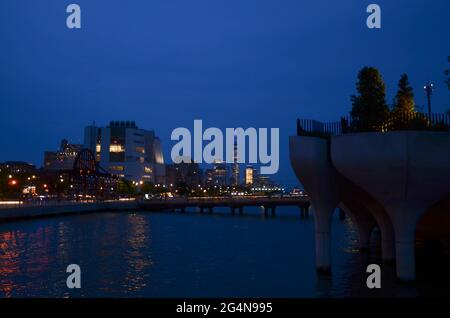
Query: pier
[(235, 205), (396, 181), (203, 205)]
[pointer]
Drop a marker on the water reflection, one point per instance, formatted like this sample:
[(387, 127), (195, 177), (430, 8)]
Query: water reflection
[(139, 240), (174, 255)]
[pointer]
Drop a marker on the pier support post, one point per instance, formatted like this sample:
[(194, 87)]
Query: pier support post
[(323, 241), (304, 212), (273, 210), (241, 210), (201, 209), (210, 210), (405, 259), (232, 210), (405, 234)]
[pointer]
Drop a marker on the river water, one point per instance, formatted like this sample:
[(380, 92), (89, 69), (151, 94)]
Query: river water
[(188, 255)]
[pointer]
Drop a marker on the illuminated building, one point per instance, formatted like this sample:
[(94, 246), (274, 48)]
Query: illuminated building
[(218, 176), (235, 167), (263, 181), (249, 175), (185, 172), (62, 159), (125, 150), (17, 167)]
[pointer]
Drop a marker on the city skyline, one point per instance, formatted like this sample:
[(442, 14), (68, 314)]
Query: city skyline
[(250, 64), (225, 155)]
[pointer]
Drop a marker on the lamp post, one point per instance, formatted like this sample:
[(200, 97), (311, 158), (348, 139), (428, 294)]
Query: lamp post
[(429, 91)]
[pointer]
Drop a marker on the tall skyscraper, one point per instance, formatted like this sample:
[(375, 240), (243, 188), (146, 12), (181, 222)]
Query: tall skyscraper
[(235, 167), (218, 176), (249, 175), (125, 150)]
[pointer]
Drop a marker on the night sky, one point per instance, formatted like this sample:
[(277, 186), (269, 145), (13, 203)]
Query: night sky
[(232, 63)]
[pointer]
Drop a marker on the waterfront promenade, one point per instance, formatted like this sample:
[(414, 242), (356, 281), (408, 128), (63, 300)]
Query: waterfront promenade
[(46, 209), (236, 205)]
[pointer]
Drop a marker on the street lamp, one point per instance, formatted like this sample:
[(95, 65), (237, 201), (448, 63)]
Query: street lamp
[(429, 91)]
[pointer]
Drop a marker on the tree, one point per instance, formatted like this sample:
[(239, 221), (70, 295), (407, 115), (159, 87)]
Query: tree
[(182, 188), (369, 111), (404, 100), (125, 187), (404, 107)]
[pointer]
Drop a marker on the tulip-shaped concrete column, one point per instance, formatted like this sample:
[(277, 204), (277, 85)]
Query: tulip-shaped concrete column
[(354, 196), (407, 172), (363, 220), (309, 159)]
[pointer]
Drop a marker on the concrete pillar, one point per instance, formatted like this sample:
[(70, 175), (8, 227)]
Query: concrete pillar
[(405, 221), (322, 231), (384, 223), (302, 211), (407, 172), (306, 211), (273, 210), (405, 259), (310, 161)]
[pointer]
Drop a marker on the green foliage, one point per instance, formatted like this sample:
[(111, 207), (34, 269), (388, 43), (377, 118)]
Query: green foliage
[(182, 188), (369, 111), (404, 100), (126, 188), (403, 115)]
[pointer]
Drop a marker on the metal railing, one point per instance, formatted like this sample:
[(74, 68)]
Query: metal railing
[(391, 122)]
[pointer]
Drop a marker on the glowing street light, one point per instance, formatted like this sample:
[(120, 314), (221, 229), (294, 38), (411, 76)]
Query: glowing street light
[(429, 91)]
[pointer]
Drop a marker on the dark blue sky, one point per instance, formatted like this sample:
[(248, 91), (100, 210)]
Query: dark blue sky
[(232, 63)]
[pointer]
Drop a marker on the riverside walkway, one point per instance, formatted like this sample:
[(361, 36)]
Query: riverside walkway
[(23, 210)]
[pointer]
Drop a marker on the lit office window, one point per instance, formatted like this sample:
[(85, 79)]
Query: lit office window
[(116, 148), (148, 170)]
